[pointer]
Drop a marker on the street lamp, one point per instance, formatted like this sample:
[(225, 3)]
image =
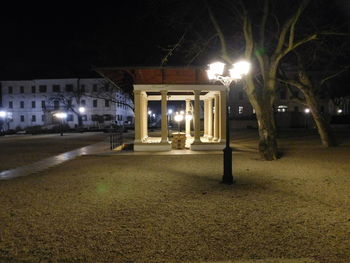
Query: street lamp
[(3, 114), (82, 109), (215, 73), (178, 118), (61, 116), (307, 112)]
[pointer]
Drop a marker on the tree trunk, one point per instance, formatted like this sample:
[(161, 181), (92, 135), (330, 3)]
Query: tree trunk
[(267, 129), (323, 128)]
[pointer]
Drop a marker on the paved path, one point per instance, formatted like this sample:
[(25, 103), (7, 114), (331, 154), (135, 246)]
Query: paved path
[(54, 160)]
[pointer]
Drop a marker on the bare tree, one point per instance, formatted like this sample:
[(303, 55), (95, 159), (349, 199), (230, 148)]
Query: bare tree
[(71, 100), (313, 88), (261, 86)]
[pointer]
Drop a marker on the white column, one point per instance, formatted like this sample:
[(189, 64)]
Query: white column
[(142, 119), (197, 121), (205, 118), (145, 116), (137, 120), (222, 116), (164, 117), (216, 118), (210, 118), (188, 122)]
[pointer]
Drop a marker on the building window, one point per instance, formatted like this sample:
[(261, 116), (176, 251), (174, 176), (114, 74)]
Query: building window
[(283, 94), (106, 103), (84, 117), (56, 88), (43, 118), (33, 118), (94, 88), (22, 118), (11, 104), (83, 103), (94, 103), (21, 88), (43, 104), (240, 95), (10, 89), (70, 117), (282, 108), (33, 89), (42, 88), (69, 87), (69, 103), (22, 104), (56, 104), (82, 88), (240, 109), (33, 104)]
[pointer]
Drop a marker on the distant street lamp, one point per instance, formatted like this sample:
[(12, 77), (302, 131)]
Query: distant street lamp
[(3, 114), (179, 118), (62, 116), (215, 73), (307, 112), (82, 109)]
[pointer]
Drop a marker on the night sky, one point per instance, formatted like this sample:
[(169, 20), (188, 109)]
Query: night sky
[(63, 38)]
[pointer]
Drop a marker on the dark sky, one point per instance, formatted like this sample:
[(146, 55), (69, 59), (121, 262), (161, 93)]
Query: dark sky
[(55, 36), (60, 37)]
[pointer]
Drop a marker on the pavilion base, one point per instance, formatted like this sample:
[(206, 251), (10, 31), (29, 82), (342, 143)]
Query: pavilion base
[(207, 146), (152, 147)]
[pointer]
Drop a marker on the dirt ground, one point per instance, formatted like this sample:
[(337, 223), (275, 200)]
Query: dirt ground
[(18, 150), (154, 208)]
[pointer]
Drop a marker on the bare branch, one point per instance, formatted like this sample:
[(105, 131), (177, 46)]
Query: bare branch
[(295, 45), (287, 27), (171, 51), (205, 45), (224, 53), (334, 75), (263, 23)]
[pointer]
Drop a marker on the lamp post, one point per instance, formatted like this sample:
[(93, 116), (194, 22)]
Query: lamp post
[(307, 112), (178, 118), (61, 116), (3, 115), (215, 73)]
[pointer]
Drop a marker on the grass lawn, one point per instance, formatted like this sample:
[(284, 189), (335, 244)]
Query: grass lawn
[(18, 150), (120, 208)]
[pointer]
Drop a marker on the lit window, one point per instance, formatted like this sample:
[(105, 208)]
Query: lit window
[(240, 109), (282, 108)]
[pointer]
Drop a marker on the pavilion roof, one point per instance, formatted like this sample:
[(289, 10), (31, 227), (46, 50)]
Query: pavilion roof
[(155, 75)]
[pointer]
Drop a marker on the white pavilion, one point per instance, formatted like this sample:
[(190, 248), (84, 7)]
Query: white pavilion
[(176, 84)]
